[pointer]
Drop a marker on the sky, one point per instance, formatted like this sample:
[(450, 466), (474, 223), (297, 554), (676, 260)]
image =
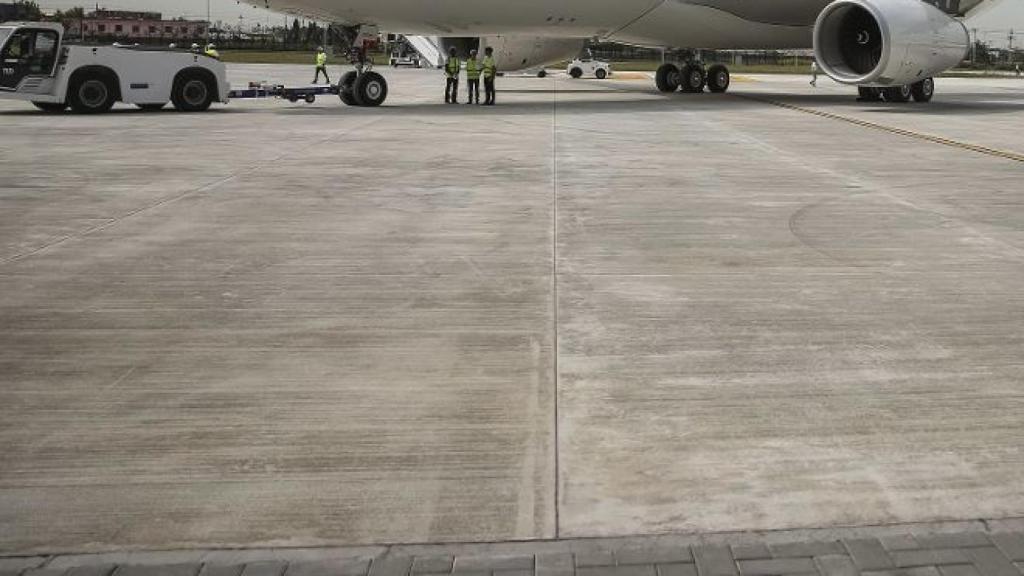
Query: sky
[(992, 25)]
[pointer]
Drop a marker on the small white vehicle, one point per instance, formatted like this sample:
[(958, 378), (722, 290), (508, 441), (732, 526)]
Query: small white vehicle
[(590, 67), (38, 66), (409, 58)]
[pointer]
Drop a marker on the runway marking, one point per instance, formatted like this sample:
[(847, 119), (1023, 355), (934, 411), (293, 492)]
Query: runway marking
[(977, 148)]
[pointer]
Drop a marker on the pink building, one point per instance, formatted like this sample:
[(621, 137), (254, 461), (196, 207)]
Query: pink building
[(125, 25)]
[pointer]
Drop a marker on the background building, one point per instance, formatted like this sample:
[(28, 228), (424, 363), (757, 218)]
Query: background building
[(121, 25)]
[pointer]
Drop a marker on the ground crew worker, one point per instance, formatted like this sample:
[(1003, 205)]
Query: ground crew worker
[(490, 73), (452, 66), (473, 71), (321, 65), (195, 49), (211, 51), (814, 73)]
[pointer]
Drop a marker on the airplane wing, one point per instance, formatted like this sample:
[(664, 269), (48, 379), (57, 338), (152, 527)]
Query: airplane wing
[(972, 8), (965, 8)]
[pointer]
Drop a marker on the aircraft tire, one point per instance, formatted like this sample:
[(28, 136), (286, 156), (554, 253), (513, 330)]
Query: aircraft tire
[(694, 78), (718, 79), (924, 90), (667, 78), (370, 89), (897, 94), (345, 89)]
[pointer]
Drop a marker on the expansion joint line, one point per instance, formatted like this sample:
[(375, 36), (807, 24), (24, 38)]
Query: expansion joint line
[(994, 152), (554, 300)]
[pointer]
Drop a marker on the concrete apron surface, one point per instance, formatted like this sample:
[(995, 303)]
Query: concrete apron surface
[(593, 310)]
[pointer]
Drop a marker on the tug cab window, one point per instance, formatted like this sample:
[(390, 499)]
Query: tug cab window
[(27, 53)]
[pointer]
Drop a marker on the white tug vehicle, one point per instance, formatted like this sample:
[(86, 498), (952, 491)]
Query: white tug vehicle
[(38, 65)]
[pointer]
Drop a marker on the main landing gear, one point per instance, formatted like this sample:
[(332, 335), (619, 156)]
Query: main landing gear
[(692, 78), (922, 91)]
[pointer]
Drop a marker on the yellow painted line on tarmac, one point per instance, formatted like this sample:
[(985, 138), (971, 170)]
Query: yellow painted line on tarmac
[(743, 79), (977, 148)]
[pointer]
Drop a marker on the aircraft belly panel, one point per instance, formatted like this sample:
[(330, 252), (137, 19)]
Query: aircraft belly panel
[(689, 25), (457, 17), (782, 12)]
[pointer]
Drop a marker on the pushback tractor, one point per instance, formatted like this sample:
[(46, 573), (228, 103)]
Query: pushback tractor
[(41, 67)]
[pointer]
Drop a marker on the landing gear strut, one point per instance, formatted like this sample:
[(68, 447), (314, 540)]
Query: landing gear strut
[(692, 78), (362, 86), (922, 91)]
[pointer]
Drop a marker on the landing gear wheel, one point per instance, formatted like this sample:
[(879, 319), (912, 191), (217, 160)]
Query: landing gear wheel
[(576, 73), (345, 89), (370, 89), (310, 98), (924, 90), (50, 107), (667, 78), (694, 78), (151, 107), (718, 79), (601, 74), (897, 94), (192, 93), (94, 95), (542, 74), (868, 94)]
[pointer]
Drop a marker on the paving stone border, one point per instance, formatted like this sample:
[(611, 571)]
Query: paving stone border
[(975, 548)]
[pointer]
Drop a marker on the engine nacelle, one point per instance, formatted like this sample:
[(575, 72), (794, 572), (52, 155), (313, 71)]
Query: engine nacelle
[(887, 42), (517, 52)]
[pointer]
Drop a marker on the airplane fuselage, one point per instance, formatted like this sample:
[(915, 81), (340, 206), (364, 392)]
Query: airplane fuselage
[(737, 24)]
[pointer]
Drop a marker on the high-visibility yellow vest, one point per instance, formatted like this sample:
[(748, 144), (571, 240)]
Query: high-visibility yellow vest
[(213, 53), (453, 66), (472, 69), (321, 59), (490, 67)]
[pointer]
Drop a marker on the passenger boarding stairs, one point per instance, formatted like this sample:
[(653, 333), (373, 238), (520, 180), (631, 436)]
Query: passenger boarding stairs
[(429, 48)]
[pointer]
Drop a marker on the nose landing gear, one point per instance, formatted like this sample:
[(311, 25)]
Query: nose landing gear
[(362, 86)]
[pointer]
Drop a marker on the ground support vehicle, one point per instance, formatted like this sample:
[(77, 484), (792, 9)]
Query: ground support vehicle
[(589, 67), (38, 65)]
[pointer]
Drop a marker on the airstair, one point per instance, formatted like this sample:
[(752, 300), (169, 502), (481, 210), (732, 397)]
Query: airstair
[(429, 48)]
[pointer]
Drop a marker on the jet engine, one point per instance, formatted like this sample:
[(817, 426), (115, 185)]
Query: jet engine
[(517, 52), (887, 42)]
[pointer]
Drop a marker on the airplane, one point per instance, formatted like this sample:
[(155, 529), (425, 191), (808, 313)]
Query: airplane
[(889, 49)]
